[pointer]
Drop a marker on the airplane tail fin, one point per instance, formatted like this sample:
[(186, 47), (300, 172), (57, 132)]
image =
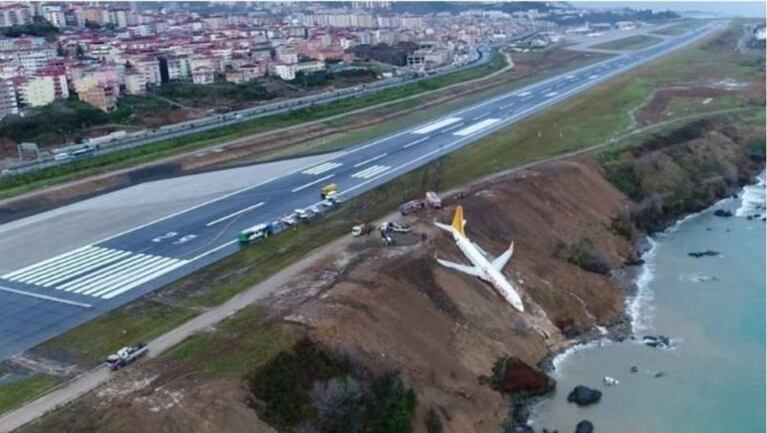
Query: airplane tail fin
[(458, 221)]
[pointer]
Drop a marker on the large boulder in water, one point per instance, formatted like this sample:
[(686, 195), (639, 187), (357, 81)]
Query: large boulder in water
[(722, 213), (584, 426), (584, 396), (707, 253), (520, 378), (657, 341)]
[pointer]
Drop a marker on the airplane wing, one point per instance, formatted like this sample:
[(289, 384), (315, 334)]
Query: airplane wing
[(500, 262), (444, 227), (471, 270)]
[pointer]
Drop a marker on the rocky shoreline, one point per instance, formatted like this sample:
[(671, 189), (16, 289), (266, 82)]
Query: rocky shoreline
[(622, 328)]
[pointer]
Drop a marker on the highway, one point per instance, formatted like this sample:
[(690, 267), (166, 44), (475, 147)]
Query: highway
[(43, 299)]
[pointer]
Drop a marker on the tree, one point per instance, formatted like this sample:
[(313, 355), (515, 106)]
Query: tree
[(339, 404)]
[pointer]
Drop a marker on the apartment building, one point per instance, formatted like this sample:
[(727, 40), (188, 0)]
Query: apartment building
[(15, 14)]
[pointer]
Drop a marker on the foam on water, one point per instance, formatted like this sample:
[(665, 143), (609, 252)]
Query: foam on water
[(689, 300), (753, 198), (640, 306)]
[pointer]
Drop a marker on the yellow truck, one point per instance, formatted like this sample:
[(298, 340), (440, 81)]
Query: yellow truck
[(328, 191)]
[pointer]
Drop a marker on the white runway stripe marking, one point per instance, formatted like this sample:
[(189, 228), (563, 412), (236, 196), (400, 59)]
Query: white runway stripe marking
[(322, 168), (437, 125), (92, 262), (93, 271), (411, 144), (476, 127), (510, 104), (367, 161), (126, 275), (141, 281), (74, 285), (526, 93), (371, 171), (314, 182), (234, 214), (550, 94), (44, 262), (45, 297), (64, 261), (81, 264), (456, 126)]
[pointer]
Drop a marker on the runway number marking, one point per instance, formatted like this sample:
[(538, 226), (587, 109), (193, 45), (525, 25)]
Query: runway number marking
[(168, 235)]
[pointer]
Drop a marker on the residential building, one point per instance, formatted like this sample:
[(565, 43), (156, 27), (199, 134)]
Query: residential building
[(174, 68), (58, 78), (203, 75), (15, 14), (284, 71), (34, 91), (8, 103), (100, 94), (55, 15), (135, 83)]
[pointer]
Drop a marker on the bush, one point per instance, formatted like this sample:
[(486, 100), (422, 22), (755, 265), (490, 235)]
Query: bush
[(584, 255), (392, 407), (285, 382), (307, 389)]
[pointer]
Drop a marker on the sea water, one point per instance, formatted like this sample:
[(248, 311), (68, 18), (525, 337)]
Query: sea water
[(712, 379)]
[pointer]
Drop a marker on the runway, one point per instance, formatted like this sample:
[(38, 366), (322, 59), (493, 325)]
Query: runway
[(42, 299)]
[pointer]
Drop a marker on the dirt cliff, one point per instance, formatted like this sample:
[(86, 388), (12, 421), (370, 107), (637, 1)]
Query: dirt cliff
[(443, 329)]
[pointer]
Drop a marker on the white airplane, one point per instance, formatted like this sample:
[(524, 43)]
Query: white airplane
[(482, 268)]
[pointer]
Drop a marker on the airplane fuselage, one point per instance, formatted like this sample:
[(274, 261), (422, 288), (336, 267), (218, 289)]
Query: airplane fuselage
[(488, 272)]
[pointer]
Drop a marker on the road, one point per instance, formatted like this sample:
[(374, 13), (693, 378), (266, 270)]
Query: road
[(43, 299)]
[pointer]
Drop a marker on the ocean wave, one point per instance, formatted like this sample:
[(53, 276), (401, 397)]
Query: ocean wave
[(557, 361), (753, 198), (697, 278), (640, 306)]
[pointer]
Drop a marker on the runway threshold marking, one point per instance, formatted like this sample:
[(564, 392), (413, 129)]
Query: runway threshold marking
[(234, 214), (314, 182), (45, 297), (368, 161)]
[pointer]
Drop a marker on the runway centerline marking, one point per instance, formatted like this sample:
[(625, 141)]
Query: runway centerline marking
[(456, 126), (367, 161), (234, 214), (314, 182), (420, 140), (45, 297)]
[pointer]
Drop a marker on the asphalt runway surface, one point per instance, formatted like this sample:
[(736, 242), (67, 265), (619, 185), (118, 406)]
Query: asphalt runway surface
[(44, 298)]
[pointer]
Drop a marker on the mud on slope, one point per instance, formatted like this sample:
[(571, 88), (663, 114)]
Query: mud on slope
[(443, 329)]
